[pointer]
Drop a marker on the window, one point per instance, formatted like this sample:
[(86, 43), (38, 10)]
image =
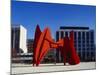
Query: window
[(87, 35), (79, 35), (74, 35), (83, 35), (79, 49), (92, 35), (66, 33), (83, 45), (79, 41), (83, 41), (83, 48), (87, 41), (62, 34), (92, 48), (87, 44), (92, 41), (92, 45), (88, 48), (79, 45)]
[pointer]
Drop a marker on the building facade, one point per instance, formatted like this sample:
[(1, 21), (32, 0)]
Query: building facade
[(30, 45), (84, 42), (18, 39)]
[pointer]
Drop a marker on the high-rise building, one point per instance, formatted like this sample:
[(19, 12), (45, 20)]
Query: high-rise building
[(18, 39), (84, 42)]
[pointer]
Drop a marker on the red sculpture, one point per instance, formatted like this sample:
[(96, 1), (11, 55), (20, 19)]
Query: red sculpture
[(43, 42)]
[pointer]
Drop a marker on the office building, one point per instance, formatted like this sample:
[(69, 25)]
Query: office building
[(84, 42), (18, 39)]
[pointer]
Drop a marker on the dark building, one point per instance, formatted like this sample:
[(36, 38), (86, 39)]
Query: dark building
[(15, 42), (30, 45), (83, 39)]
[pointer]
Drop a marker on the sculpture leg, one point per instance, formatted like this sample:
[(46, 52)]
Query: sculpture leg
[(65, 49), (74, 58), (37, 36)]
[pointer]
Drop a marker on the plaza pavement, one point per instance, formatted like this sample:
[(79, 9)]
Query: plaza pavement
[(28, 68)]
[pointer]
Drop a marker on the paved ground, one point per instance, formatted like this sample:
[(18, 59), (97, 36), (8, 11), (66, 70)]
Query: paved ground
[(27, 68)]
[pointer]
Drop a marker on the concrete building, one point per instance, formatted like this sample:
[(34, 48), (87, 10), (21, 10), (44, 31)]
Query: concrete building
[(18, 39), (84, 42)]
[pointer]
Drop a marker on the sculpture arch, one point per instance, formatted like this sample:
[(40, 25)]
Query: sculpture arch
[(43, 42)]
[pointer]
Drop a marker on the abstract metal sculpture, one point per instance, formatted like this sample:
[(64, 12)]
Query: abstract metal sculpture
[(43, 42)]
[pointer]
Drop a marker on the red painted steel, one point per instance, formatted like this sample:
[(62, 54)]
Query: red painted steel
[(43, 42)]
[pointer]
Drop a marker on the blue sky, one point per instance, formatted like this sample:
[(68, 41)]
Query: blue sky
[(29, 14)]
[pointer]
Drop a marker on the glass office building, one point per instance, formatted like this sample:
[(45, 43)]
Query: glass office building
[(84, 42)]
